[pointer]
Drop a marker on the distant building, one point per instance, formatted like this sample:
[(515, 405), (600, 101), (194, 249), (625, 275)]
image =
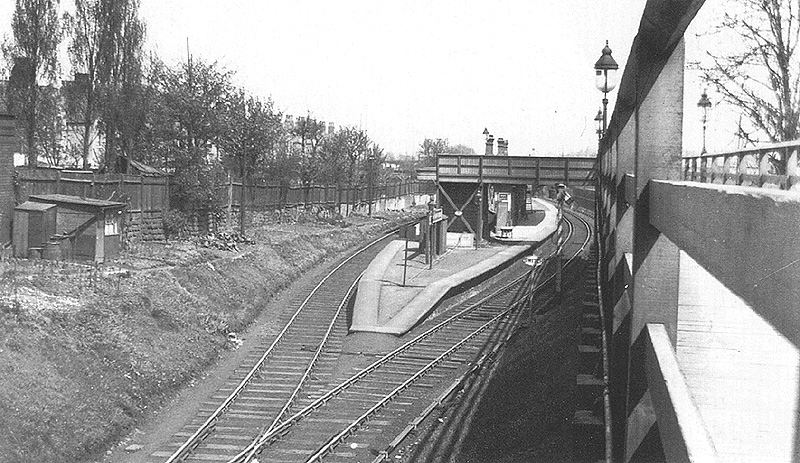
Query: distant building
[(72, 97)]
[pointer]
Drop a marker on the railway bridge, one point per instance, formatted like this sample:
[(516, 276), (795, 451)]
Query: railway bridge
[(472, 188), (699, 266), (699, 270)]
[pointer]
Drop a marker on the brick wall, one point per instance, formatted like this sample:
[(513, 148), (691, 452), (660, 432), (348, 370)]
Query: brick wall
[(144, 226), (8, 144)]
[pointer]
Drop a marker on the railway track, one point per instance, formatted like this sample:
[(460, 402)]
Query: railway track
[(267, 386), (542, 294), (400, 383)]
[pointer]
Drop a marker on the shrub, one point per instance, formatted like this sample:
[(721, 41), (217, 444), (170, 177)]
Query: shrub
[(175, 223)]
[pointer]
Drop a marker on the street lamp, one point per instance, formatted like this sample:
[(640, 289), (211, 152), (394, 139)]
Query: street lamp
[(605, 72), (598, 119), (704, 103)]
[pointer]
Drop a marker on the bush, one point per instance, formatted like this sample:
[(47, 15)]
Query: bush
[(175, 223)]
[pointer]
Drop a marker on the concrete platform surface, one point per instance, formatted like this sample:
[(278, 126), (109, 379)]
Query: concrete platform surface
[(385, 305), (526, 232)]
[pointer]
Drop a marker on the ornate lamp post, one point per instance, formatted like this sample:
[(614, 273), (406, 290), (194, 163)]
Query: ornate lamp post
[(605, 72), (704, 103), (598, 119)]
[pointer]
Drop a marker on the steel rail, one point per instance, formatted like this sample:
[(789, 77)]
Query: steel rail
[(353, 426), (186, 448), (314, 359), (383, 455), (283, 428), (335, 440)]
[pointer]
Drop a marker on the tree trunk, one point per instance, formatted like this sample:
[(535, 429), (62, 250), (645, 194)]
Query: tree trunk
[(30, 129), (87, 123), (243, 197)]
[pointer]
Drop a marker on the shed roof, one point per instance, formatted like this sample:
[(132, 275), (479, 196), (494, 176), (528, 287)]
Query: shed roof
[(147, 170), (76, 200), (34, 206)]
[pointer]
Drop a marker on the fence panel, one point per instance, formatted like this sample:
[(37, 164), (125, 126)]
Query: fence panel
[(152, 194)]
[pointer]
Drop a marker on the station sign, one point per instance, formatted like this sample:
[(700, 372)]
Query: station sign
[(437, 215)]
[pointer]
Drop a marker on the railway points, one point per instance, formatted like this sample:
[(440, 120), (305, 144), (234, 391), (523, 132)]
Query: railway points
[(306, 395), (375, 399)]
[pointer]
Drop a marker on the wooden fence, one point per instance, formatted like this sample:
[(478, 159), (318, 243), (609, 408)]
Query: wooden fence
[(266, 197), (148, 198)]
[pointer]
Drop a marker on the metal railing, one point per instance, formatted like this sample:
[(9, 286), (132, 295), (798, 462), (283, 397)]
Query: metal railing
[(771, 165)]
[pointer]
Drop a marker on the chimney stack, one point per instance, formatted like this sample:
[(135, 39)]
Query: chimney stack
[(502, 147), (490, 146), (331, 128)]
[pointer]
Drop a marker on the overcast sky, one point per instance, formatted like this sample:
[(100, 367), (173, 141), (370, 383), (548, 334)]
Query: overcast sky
[(409, 70)]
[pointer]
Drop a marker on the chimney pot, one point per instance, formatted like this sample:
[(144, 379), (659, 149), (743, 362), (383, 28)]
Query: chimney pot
[(490, 146), (502, 147)]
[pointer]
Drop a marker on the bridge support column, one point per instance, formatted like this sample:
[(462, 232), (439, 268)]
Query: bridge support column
[(622, 199), (656, 260)]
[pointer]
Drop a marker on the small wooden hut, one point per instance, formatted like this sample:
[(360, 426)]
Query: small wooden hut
[(86, 228), (34, 224)]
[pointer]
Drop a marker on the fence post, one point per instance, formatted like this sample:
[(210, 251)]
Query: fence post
[(230, 200)]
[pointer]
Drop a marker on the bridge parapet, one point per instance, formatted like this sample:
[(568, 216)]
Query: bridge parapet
[(737, 325), (675, 410), (770, 165), (515, 170), (706, 249)]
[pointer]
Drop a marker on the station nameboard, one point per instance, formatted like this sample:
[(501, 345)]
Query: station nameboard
[(437, 215)]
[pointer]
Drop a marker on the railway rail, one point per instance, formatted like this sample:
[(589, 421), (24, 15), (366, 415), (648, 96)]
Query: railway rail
[(397, 383), (544, 290), (288, 365)]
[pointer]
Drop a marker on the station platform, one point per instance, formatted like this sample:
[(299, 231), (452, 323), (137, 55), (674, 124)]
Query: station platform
[(528, 230), (385, 305)]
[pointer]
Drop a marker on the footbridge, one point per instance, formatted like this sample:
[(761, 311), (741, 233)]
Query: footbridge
[(700, 274), (477, 192)]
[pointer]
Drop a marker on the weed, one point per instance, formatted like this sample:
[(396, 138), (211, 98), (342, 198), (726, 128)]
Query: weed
[(10, 307)]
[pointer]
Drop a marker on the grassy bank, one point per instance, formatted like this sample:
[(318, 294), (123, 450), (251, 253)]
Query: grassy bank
[(85, 354)]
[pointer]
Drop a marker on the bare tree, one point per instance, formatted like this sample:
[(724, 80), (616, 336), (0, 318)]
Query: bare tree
[(33, 50), (761, 76)]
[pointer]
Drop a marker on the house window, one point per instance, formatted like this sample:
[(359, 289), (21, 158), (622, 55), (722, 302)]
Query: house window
[(112, 224)]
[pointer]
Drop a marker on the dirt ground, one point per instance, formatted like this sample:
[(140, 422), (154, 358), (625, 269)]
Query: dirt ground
[(88, 354), (94, 361), (157, 427), (518, 410)]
